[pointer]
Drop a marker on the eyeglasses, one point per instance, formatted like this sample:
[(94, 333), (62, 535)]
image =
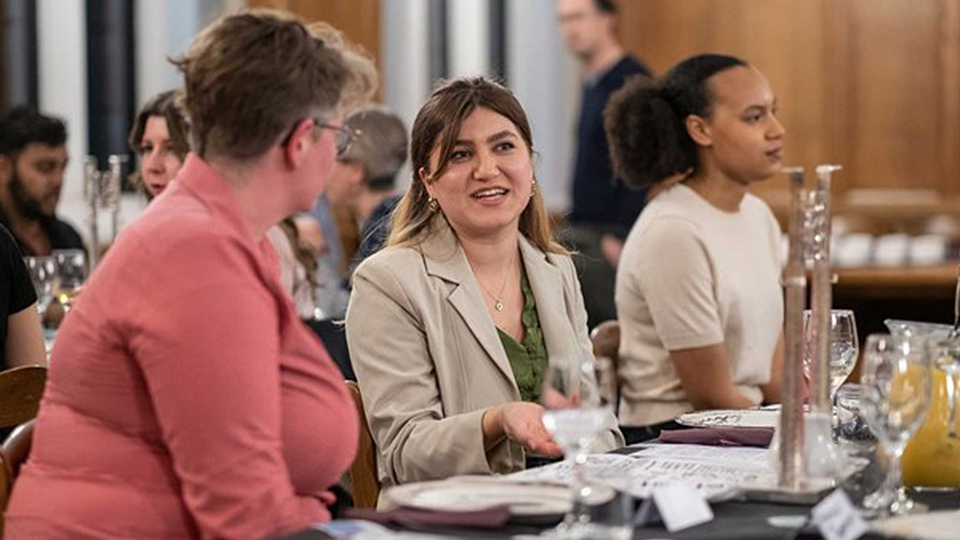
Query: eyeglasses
[(344, 135)]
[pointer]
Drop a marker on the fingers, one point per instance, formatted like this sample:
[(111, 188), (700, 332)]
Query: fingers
[(547, 449), (552, 399), (537, 439)]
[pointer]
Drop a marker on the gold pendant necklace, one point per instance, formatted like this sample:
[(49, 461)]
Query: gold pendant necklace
[(498, 299)]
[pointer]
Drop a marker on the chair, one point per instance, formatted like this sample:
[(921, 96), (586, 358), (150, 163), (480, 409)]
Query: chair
[(20, 391), (606, 341), (5, 484), (363, 471), (16, 449), (14, 452), (606, 344), (333, 335)]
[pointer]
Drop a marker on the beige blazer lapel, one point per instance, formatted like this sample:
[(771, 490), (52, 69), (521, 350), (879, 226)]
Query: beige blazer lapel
[(546, 282), (444, 258)]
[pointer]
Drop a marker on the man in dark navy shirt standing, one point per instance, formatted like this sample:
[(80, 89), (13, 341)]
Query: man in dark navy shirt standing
[(603, 209)]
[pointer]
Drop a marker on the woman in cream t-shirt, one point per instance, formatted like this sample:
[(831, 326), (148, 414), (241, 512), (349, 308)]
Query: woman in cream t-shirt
[(698, 294)]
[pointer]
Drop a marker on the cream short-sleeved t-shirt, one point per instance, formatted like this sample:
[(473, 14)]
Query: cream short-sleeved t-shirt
[(692, 275)]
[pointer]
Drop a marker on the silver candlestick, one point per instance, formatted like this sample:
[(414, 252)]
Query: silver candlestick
[(101, 190), (821, 288), (790, 452)]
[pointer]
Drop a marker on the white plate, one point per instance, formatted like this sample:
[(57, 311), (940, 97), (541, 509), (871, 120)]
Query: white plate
[(477, 492), (731, 418), (940, 525)]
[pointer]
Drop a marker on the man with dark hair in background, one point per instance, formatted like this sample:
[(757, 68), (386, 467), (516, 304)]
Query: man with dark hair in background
[(33, 157), (602, 208)]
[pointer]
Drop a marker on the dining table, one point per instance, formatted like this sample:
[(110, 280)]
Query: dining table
[(737, 518), (733, 520)]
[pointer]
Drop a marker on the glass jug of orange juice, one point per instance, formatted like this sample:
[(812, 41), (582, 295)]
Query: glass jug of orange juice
[(932, 459)]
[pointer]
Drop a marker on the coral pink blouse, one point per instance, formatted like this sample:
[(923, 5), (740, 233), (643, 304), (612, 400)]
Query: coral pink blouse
[(185, 398)]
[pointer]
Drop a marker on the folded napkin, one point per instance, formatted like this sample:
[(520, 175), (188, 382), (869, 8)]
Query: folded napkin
[(719, 436), (488, 518)]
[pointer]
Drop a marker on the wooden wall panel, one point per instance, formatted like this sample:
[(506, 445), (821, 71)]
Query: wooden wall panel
[(949, 151), (871, 84), (358, 19), (896, 82)]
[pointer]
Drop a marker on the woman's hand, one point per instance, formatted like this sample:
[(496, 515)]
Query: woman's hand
[(521, 422)]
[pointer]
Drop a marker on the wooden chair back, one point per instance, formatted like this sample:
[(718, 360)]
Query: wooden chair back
[(5, 485), (16, 448), (606, 343), (12, 455), (363, 471), (20, 391)]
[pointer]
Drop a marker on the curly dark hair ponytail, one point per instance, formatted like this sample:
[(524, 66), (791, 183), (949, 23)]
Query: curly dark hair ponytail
[(646, 120)]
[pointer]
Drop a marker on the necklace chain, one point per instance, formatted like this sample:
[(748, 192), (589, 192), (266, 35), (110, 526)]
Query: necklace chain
[(498, 299)]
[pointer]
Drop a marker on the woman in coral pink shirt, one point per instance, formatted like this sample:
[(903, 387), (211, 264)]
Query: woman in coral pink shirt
[(185, 397)]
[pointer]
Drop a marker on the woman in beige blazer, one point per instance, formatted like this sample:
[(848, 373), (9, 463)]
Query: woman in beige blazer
[(470, 251)]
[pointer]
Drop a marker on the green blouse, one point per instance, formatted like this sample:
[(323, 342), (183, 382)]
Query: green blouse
[(528, 360)]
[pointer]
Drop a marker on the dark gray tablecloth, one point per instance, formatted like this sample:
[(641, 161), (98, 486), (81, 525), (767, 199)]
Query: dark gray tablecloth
[(733, 521)]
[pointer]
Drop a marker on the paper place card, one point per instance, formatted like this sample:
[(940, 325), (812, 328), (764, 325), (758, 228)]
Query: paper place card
[(837, 518), (678, 504)]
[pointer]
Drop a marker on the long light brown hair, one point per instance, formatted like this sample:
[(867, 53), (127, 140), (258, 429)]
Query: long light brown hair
[(437, 126), (167, 105)]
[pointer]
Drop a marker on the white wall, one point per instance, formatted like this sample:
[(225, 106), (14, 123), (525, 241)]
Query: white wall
[(541, 73), (62, 76), (404, 54), (164, 28), (468, 35), (545, 79)]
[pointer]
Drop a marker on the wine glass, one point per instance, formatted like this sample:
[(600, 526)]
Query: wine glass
[(71, 273), (578, 401), (43, 274), (844, 346), (858, 446), (895, 396)]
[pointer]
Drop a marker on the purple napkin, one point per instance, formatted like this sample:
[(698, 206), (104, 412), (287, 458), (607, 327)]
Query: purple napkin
[(488, 518), (719, 436)]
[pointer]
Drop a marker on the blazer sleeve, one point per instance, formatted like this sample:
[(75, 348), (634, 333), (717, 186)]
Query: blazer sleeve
[(578, 318), (415, 439)]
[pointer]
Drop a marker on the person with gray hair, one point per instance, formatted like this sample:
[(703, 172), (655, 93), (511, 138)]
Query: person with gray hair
[(364, 177)]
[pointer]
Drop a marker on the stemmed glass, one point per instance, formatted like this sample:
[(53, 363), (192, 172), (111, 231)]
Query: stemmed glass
[(71, 272), (844, 346), (896, 394), (43, 274), (578, 400)]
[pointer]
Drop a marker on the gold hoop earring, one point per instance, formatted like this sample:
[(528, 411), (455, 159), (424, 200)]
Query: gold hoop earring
[(433, 205), (533, 188)]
